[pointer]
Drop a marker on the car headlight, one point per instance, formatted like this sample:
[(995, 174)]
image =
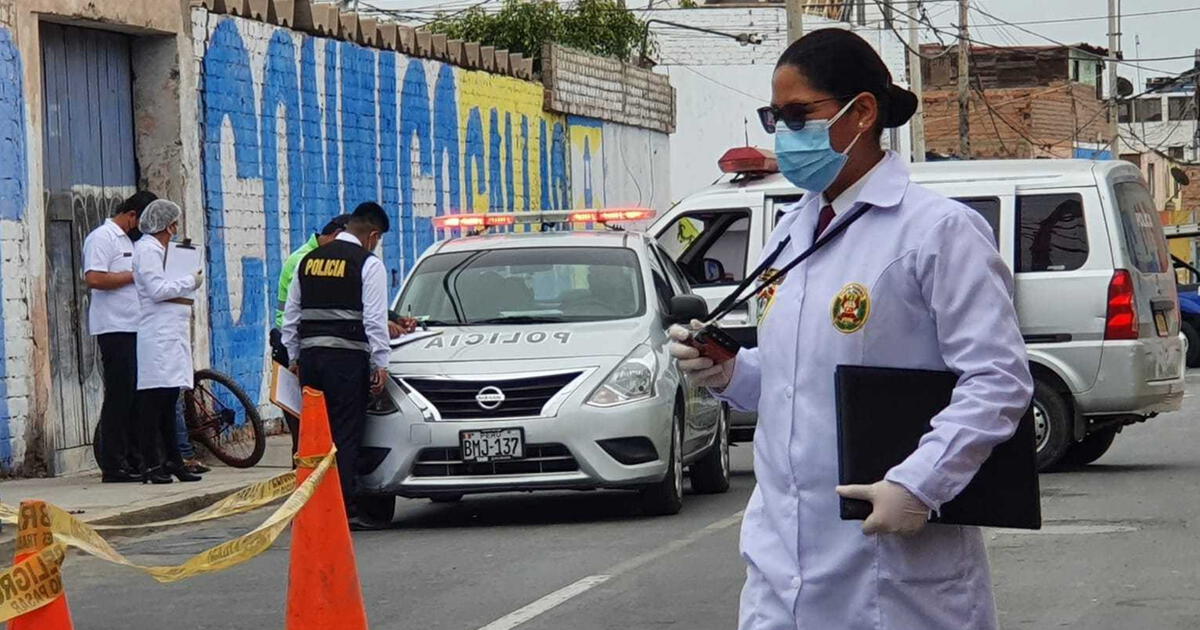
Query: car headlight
[(631, 381), (382, 404)]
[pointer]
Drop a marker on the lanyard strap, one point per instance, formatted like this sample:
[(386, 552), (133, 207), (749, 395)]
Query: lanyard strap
[(732, 302)]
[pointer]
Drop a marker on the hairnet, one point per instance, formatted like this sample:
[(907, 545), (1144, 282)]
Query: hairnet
[(159, 214)]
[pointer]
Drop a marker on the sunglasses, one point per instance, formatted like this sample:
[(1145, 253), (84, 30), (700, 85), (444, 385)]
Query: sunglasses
[(792, 115)]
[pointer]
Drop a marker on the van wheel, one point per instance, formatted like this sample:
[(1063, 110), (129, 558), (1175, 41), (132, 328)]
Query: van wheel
[(1051, 424), (1193, 341), (1090, 449), (710, 474), (666, 497)]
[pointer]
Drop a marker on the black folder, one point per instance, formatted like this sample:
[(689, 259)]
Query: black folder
[(882, 414)]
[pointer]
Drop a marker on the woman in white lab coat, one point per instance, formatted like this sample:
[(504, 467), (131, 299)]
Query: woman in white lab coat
[(164, 346), (914, 282)]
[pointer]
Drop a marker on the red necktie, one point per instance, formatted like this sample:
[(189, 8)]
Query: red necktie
[(823, 221)]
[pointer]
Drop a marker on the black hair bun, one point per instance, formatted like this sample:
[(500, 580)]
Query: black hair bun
[(901, 105)]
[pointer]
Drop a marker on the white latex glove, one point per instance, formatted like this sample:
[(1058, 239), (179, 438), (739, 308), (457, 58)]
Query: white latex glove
[(701, 370), (895, 509), (198, 277)]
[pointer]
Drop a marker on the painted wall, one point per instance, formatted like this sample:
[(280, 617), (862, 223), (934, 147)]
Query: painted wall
[(296, 129), (15, 332)]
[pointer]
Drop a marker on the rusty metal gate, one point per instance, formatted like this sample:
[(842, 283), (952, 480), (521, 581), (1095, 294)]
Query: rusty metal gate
[(88, 167)]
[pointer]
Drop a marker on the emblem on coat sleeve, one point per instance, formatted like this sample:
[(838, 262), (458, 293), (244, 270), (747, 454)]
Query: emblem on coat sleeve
[(851, 308)]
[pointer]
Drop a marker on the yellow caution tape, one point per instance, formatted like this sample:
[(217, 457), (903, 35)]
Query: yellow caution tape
[(37, 581), (248, 498)]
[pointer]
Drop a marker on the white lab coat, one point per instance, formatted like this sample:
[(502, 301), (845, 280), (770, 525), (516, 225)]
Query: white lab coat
[(939, 298), (164, 345)]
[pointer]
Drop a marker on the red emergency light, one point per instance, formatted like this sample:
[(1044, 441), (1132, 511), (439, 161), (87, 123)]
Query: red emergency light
[(450, 221), (749, 161), (611, 215)]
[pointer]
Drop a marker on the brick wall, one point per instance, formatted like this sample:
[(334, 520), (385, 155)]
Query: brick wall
[(607, 89), (1021, 122)]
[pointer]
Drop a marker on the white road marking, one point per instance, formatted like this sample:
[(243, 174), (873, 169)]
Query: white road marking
[(575, 589), (1060, 530)]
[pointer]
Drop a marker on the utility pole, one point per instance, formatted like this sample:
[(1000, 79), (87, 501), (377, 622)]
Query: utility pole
[(915, 81), (964, 84), (1114, 45), (795, 19)]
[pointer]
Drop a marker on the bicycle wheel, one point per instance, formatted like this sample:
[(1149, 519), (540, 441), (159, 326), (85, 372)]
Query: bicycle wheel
[(224, 419)]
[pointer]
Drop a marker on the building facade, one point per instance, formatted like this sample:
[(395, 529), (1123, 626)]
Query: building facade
[(263, 119)]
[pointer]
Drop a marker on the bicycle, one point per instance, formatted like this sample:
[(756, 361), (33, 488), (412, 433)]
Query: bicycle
[(211, 411)]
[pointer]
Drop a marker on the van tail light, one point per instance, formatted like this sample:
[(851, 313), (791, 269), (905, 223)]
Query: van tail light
[(1122, 321)]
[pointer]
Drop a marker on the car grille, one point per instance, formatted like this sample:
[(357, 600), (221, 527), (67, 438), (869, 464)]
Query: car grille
[(539, 459), (523, 397)]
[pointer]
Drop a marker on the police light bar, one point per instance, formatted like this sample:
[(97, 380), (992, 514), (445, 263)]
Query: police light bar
[(488, 219), (598, 215)]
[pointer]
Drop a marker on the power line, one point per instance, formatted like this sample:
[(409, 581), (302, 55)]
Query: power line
[(1099, 17)]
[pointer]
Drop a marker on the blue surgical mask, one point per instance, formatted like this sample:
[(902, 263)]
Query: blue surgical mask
[(806, 157)]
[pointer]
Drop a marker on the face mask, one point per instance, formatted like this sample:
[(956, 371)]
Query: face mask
[(806, 158), (134, 234)]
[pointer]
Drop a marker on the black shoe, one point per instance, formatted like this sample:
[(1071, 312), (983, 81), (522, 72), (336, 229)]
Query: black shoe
[(120, 476), (360, 524), (156, 476), (182, 473)]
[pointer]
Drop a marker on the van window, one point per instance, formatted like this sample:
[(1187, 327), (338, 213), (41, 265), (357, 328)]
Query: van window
[(710, 247), (1142, 232), (989, 207), (1053, 233)]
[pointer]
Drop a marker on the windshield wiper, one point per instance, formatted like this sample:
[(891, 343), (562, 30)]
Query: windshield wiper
[(521, 319), (438, 322)]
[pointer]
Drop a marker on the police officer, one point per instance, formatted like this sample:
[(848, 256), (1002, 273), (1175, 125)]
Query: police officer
[(335, 323), (915, 282), (113, 318), (278, 352)]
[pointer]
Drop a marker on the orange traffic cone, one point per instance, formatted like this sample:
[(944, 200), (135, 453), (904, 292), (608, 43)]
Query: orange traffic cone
[(33, 535), (323, 589)]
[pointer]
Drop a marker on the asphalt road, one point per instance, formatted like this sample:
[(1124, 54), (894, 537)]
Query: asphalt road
[(1119, 551)]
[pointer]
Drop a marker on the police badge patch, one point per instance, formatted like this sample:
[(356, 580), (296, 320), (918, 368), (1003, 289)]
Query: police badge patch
[(768, 288), (851, 308)]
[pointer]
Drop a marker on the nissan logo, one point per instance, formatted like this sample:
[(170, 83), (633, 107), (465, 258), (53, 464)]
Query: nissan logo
[(489, 397)]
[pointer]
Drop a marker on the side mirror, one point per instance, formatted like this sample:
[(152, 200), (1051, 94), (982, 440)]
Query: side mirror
[(714, 271), (685, 308)]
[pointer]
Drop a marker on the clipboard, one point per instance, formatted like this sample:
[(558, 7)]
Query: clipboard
[(182, 260), (285, 389)]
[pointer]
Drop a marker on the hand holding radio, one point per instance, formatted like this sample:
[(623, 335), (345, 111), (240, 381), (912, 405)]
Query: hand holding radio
[(713, 370)]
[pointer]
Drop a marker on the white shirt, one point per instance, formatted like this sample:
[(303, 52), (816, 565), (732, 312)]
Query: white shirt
[(915, 283), (109, 249), (375, 315), (849, 197)]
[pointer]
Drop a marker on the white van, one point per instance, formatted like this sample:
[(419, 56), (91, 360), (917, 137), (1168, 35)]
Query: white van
[(1095, 290)]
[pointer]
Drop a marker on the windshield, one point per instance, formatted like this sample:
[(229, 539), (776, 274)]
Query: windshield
[(525, 286)]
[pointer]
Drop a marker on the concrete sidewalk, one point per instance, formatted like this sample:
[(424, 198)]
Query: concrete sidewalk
[(135, 503)]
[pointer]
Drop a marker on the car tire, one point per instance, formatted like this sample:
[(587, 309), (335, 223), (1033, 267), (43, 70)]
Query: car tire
[(377, 508), (1193, 341), (1052, 424), (710, 474), (447, 498), (665, 497), (1090, 449)]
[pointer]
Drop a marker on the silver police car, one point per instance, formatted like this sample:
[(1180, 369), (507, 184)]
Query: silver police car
[(542, 365)]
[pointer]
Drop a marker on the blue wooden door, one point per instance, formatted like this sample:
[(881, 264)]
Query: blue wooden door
[(89, 167)]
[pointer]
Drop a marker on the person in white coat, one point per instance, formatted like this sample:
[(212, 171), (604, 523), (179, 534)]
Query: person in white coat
[(164, 347), (915, 282)]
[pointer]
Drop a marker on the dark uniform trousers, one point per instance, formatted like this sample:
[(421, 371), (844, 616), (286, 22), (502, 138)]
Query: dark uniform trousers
[(345, 378), (118, 427)]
